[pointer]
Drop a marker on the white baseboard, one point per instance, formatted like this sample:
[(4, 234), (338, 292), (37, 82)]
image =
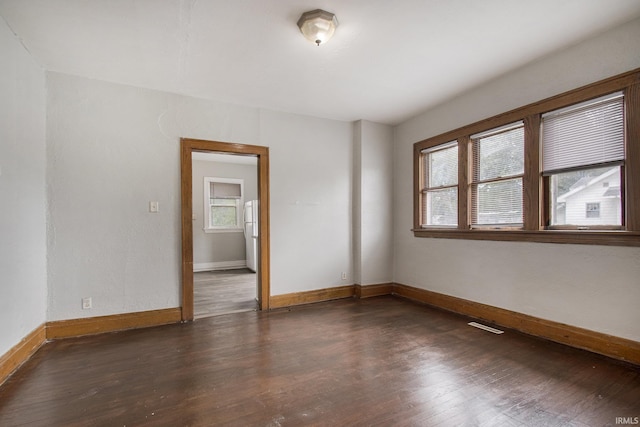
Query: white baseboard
[(221, 265)]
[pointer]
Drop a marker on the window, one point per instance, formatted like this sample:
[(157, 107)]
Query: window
[(440, 192), (583, 148), (570, 192), (498, 168), (593, 210), (561, 170), (223, 204)]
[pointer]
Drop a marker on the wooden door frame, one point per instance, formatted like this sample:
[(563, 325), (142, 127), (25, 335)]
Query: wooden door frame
[(188, 146)]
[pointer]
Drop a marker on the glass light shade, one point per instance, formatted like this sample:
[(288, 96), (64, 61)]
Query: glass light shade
[(318, 25)]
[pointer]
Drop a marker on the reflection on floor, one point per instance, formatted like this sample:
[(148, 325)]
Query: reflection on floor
[(223, 292), (382, 361)]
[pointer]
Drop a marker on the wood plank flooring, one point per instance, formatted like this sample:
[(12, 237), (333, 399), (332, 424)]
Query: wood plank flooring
[(223, 292), (381, 361)]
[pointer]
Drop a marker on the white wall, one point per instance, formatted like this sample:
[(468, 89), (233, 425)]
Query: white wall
[(114, 148), (373, 212), (356, 227), (23, 278), (311, 187), (222, 247), (107, 158), (594, 287)]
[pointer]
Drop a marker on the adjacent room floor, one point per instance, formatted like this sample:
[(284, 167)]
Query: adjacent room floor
[(223, 292), (378, 361)]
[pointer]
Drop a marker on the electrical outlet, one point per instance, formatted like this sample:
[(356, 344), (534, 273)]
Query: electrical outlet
[(344, 276), (86, 303)]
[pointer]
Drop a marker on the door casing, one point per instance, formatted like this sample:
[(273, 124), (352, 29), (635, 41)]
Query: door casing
[(188, 146)]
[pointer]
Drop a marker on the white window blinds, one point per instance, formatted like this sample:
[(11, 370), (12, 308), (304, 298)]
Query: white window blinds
[(500, 153), (224, 190), (441, 165), (589, 133), (498, 159), (440, 195)]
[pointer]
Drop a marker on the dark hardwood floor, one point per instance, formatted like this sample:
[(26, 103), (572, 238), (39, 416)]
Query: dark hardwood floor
[(223, 292), (379, 361)]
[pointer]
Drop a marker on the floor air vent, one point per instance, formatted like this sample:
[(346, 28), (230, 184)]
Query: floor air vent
[(485, 327)]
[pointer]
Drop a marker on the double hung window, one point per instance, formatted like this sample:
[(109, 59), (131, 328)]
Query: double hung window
[(440, 192), (223, 204), (561, 170), (498, 168), (583, 161)]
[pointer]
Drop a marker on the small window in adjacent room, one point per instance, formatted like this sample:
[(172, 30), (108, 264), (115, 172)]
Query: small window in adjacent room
[(440, 186), (223, 204), (583, 160), (498, 168)]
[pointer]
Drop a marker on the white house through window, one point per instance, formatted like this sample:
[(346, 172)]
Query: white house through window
[(593, 210), (583, 154)]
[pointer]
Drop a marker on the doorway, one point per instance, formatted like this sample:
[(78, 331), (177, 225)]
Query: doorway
[(223, 291), (189, 146), (225, 232)]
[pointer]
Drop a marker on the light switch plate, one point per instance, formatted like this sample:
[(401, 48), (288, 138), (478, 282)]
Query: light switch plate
[(154, 207)]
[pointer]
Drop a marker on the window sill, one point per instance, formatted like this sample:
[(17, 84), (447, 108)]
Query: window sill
[(223, 230), (609, 238)]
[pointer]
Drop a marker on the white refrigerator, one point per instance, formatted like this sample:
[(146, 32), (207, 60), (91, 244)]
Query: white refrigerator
[(251, 233)]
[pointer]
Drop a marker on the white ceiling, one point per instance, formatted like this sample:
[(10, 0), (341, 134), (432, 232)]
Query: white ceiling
[(388, 61)]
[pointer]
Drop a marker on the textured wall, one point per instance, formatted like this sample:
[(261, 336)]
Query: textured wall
[(114, 148), (311, 189), (23, 279)]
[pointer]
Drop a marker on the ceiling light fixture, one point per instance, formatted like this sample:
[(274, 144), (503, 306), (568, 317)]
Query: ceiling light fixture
[(318, 25)]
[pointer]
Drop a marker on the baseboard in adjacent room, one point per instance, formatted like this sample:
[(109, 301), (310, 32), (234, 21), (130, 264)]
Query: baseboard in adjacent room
[(21, 352), (221, 265)]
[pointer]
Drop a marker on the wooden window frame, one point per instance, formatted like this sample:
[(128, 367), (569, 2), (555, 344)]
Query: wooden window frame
[(475, 182), (536, 198), (208, 207), (424, 185)]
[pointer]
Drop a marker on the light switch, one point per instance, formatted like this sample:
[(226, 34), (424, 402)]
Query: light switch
[(154, 207)]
